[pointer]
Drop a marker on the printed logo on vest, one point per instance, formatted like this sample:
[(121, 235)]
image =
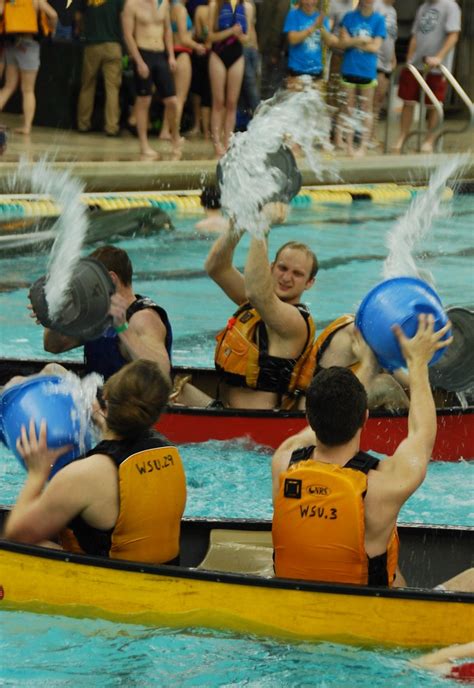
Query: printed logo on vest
[(245, 317), (320, 490), (292, 488)]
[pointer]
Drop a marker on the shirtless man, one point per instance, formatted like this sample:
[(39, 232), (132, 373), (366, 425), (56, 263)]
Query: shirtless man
[(339, 344), (149, 40), (336, 508)]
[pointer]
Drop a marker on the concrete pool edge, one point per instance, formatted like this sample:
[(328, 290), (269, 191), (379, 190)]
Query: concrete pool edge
[(192, 174)]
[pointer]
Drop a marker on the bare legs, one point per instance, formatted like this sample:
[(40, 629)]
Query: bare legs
[(406, 119), (225, 87), (28, 79), (379, 98), (182, 80), (351, 115), (141, 110)]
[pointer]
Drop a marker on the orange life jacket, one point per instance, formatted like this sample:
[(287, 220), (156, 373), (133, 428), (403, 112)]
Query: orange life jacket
[(20, 16), (152, 489), (242, 359), (319, 524)]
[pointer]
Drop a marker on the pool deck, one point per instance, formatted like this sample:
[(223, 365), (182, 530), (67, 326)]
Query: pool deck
[(113, 164)]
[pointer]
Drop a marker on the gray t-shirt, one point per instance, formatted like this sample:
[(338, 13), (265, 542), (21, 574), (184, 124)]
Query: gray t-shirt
[(337, 10), (433, 21), (387, 51)]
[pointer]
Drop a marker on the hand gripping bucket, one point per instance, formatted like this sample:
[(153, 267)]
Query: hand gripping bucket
[(399, 300), (44, 397)]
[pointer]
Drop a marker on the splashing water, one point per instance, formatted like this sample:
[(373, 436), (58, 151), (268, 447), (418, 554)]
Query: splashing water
[(415, 224), (299, 117), (83, 393), (70, 228)]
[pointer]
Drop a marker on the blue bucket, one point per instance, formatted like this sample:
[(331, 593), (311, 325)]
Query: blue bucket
[(43, 397), (399, 300)]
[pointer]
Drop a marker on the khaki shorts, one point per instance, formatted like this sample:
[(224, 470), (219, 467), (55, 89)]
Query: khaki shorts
[(24, 53)]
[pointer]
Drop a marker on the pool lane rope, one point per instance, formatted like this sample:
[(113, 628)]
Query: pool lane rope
[(17, 207)]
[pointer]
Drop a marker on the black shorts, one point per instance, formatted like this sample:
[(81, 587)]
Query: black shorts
[(357, 80), (388, 74), (314, 77), (160, 75)]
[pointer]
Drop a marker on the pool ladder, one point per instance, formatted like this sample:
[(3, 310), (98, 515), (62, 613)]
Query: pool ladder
[(439, 131)]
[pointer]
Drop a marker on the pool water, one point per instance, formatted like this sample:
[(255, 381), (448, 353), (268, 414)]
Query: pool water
[(58, 651), (348, 240), (233, 479)]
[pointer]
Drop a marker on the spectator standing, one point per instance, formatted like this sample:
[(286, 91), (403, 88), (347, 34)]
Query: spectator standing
[(361, 36), (250, 86), (228, 32), (305, 28), (435, 32), (99, 23), (200, 84), (386, 58), (271, 16), (184, 46), (337, 11), (21, 23), (147, 33)]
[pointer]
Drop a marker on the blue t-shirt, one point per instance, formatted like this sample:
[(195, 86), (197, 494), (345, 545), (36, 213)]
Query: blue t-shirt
[(357, 62), (306, 57)]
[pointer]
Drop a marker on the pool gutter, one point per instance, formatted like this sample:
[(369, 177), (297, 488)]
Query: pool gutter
[(192, 174)]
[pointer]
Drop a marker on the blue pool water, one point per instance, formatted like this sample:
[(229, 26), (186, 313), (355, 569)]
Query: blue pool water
[(58, 651), (37, 650), (348, 240)]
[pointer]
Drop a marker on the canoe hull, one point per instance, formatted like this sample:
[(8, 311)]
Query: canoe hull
[(43, 585), (217, 587), (382, 433)]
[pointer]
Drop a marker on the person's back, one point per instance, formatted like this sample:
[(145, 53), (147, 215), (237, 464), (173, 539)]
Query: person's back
[(335, 508), (125, 499)]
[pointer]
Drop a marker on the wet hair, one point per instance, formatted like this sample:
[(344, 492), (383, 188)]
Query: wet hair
[(336, 404), (211, 198), (297, 246), (135, 396), (115, 260)]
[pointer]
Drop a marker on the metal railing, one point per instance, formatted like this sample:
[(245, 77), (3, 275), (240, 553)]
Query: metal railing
[(424, 90), (438, 132)]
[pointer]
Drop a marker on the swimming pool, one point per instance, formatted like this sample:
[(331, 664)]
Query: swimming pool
[(349, 241)]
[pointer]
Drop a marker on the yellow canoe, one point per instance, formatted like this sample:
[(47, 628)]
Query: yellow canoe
[(225, 582)]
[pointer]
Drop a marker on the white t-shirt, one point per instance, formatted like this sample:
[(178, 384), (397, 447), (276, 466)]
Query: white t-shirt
[(433, 21), (387, 51)]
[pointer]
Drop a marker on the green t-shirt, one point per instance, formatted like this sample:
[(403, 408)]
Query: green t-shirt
[(102, 20)]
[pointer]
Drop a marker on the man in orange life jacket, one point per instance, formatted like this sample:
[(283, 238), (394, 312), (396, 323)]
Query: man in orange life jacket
[(338, 345), (21, 21), (141, 327), (262, 348), (336, 508)]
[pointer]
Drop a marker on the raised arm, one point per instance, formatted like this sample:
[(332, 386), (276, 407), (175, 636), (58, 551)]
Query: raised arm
[(219, 266), (55, 343), (144, 336), (283, 318), (409, 463)]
